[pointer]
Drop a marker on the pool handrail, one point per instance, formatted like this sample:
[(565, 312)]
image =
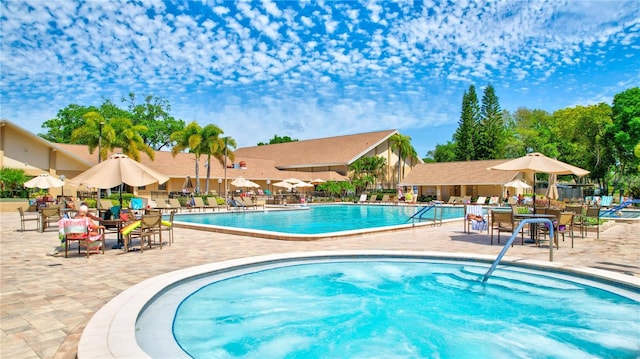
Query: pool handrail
[(514, 235), (422, 211)]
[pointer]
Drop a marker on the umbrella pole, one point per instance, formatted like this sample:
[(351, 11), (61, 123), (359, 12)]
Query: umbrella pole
[(534, 193), (120, 195)]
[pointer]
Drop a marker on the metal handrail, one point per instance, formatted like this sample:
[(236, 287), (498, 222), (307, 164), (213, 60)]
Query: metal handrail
[(421, 211), (513, 237)]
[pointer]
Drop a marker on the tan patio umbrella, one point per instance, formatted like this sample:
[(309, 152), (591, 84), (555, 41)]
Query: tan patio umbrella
[(243, 182), (292, 180), (317, 181), (43, 181), (115, 171), (537, 162)]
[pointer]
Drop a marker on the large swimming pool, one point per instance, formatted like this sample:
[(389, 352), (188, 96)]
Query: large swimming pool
[(322, 219)]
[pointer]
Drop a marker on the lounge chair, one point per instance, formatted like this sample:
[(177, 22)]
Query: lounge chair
[(363, 198), (481, 200), (465, 200), (174, 204), (79, 229), (606, 201), (373, 198), (454, 200), (244, 203), (495, 200), (198, 202), (384, 199)]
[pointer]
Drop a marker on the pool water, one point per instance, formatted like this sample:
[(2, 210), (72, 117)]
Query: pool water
[(318, 219), (393, 308)]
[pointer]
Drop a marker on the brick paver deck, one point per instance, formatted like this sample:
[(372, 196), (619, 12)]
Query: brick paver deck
[(46, 301)]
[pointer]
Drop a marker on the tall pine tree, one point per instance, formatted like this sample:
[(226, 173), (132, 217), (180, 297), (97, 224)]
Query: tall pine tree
[(491, 133), (465, 136)]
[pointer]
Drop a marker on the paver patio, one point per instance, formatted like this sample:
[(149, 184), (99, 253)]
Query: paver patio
[(46, 301)]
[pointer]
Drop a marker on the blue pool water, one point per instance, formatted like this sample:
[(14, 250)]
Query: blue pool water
[(386, 308), (317, 219)]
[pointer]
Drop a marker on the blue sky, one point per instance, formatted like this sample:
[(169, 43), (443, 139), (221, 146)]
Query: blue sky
[(314, 69)]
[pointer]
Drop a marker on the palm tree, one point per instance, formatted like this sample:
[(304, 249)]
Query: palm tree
[(211, 145), (189, 138), (402, 144), (108, 134), (225, 153)]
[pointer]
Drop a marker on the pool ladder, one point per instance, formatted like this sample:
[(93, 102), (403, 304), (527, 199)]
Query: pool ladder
[(422, 211), (513, 237)]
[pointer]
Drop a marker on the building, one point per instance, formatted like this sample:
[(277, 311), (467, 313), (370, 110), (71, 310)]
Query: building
[(325, 158)]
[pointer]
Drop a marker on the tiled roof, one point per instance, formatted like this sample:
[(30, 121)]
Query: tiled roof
[(458, 173), (183, 165), (329, 151)]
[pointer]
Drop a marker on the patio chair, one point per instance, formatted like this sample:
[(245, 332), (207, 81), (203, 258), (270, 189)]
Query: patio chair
[(49, 215), (578, 218), (363, 198), (373, 198), (384, 199), (494, 200), (504, 221), (591, 218), (87, 235), (453, 200), (150, 226), (565, 225), (606, 201), (465, 200), (481, 200), (169, 228), (198, 202), (474, 219), (31, 217)]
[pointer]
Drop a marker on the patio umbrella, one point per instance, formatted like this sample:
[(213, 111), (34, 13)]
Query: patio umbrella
[(317, 181), (517, 184), (283, 184), (43, 181), (537, 162), (115, 171), (243, 182), (293, 180)]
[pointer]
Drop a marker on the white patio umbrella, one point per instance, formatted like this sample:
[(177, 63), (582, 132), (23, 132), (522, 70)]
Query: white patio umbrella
[(292, 180), (44, 181), (283, 184), (243, 182), (115, 171), (517, 184), (302, 184), (537, 162), (317, 181)]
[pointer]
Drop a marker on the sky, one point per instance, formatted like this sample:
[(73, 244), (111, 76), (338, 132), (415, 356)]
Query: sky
[(313, 69)]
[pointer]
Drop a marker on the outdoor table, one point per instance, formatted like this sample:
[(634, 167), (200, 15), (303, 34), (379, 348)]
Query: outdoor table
[(117, 223), (533, 226)]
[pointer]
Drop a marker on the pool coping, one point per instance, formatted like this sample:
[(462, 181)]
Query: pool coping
[(111, 331)]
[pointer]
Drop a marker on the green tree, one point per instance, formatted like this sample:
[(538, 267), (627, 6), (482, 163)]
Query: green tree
[(442, 153), (153, 113), (278, 139), (531, 130), (68, 119), (624, 132), (108, 134), (491, 142), (402, 145), (12, 181), (579, 136), (465, 136), (189, 138), (365, 171), (211, 145)]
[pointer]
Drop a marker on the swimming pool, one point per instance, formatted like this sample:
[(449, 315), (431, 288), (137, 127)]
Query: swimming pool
[(319, 220), (424, 302)]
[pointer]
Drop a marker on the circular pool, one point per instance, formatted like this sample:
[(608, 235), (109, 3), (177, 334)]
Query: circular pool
[(368, 304)]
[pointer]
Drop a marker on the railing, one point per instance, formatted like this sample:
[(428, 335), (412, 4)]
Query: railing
[(421, 212), (513, 237)]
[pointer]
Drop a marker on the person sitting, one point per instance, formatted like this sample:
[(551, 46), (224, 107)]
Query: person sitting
[(94, 222)]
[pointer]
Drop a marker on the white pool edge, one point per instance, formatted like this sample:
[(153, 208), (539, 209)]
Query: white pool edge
[(111, 332)]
